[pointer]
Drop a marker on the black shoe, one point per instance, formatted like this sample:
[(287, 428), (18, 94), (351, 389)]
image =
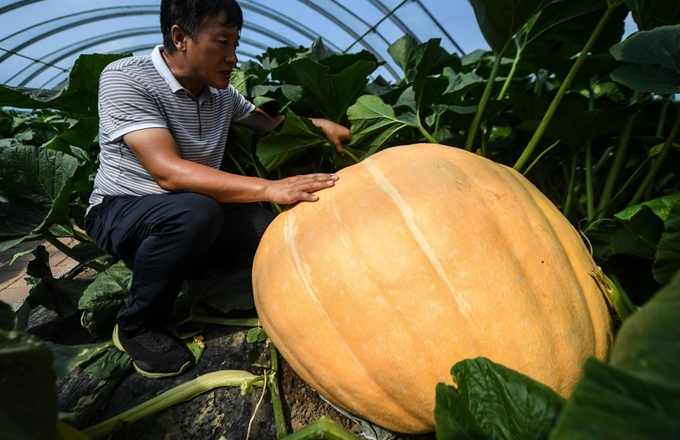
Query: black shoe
[(154, 353)]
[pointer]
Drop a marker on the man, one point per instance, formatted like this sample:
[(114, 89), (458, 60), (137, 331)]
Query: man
[(159, 199)]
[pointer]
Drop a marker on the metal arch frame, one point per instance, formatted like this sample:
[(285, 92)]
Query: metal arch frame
[(287, 21), (65, 17), (351, 32), (77, 47), (16, 5), (80, 46), (37, 38)]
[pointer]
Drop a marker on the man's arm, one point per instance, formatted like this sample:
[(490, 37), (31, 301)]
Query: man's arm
[(158, 153), (261, 121)]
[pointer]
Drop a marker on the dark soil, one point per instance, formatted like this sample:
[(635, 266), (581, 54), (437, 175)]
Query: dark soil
[(215, 414)]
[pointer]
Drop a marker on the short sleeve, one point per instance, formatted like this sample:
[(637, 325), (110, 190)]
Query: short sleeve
[(242, 107), (125, 105)]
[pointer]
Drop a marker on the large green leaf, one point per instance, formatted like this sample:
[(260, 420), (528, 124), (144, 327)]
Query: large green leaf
[(35, 184), (500, 20), (564, 27), (499, 402), (427, 88), (373, 123), (104, 297), (636, 395), (405, 52), (224, 292), (649, 14), (68, 357), (653, 60), (330, 93), (78, 96), (661, 207), (28, 408), (668, 254), (295, 137), (59, 295)]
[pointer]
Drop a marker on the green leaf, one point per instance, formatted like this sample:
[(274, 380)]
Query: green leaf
[(82, 134), (452, 417), (426, 88), (405, 51), (650, 14), (36, 185), (256, 334), (505, 403), (614, 238), (104, 297), (59, 295), (373, 123), (647, 344), (653, 59), (224, 292), (564, 27), (78, 96), (68, 357), (668, 253), (609, 403), (239, 80), (648, 79), (331, 94), (636, 395), (661, 207), (500, 20), (295, 137), (111, 363), (28, 409)]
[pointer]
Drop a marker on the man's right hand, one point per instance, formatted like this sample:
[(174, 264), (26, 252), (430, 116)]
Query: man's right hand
[(298, 188)]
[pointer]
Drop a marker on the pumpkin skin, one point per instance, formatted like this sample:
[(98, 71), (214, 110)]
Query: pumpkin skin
[(422, 256)]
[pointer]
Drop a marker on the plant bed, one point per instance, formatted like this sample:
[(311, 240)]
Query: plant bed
[(221, 412)]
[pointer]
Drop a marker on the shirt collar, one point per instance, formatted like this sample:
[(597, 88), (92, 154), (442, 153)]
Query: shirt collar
[(166, 74)]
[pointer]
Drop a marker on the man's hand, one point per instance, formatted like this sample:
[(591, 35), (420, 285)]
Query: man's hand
[(298, 188), (335, 133)]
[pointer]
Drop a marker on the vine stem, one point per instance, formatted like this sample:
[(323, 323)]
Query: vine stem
[(180, 393), (469, 142), (657, 163), (619, 160), (273, 384), (563, 90)]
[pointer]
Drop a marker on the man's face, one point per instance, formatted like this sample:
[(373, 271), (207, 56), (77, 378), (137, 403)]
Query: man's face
[(211, 55)]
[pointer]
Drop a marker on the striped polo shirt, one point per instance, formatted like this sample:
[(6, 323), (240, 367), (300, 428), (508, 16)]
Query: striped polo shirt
[(140, 92)]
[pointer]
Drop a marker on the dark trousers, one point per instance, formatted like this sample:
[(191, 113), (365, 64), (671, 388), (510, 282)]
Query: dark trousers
[(167, 237)]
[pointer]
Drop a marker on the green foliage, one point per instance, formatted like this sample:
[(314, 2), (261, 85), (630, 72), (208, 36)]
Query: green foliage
[(29, 406), (491, 401), (637, 394)]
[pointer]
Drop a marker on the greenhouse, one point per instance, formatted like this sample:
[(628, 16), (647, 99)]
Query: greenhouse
[(358, 219)]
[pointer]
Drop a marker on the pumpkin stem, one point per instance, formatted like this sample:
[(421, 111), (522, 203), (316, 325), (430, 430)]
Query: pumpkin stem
[(616, 296)]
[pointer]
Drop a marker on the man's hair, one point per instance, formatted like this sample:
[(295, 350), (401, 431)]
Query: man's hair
[(189, 14)]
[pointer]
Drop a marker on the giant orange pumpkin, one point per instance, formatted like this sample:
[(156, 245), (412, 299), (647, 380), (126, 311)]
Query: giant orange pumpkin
[(419, 257)]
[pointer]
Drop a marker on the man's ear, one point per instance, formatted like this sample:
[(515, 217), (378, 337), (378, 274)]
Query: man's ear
[(179, 37)]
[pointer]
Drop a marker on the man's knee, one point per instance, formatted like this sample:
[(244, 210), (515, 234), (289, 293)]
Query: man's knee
[(198, 212)]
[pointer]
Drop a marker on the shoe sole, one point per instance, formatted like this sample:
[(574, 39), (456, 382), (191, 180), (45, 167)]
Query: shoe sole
[(119, 346)]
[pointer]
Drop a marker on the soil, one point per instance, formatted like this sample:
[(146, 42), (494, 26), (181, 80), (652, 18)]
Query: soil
[(213, 415)]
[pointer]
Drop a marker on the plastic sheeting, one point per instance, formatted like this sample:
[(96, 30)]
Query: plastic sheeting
[(41, 39)]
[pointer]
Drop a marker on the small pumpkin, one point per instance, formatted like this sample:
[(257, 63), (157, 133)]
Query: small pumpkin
[(419, 257)]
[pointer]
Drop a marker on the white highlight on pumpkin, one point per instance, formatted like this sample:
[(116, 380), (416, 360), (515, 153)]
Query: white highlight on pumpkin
[(409, 215), (290, 232)]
